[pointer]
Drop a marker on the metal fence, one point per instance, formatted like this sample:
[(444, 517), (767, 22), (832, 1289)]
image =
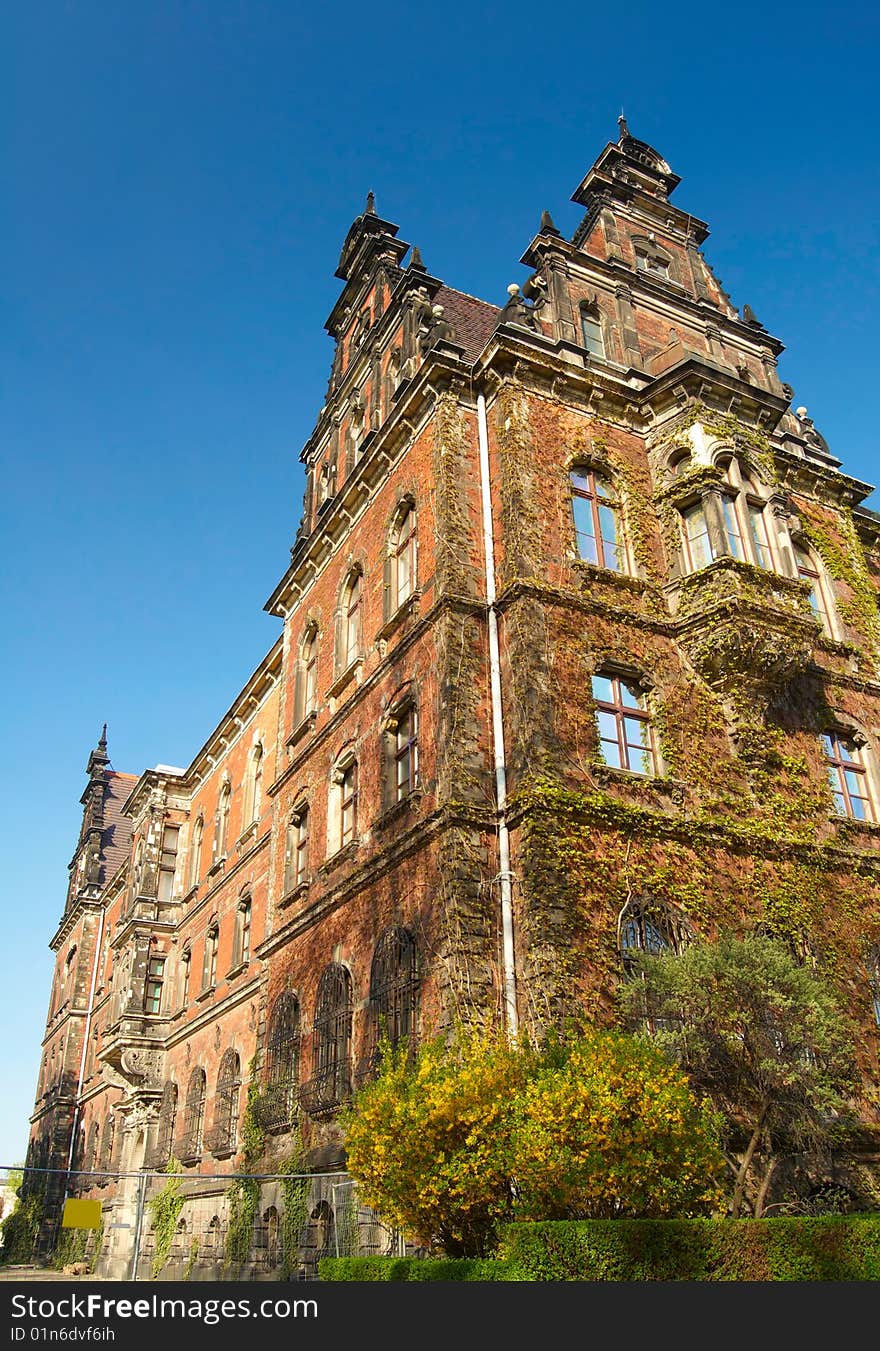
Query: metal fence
[(194, 1226)]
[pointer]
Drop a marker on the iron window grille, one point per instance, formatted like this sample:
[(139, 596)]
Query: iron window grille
[(190, 1145), (281, 1074), (228, 1094), (330, 1085)]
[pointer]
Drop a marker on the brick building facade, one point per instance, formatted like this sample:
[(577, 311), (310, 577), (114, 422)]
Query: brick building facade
[(579, 651)]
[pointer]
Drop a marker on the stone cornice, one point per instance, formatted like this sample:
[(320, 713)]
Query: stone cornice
[(214, 1011)]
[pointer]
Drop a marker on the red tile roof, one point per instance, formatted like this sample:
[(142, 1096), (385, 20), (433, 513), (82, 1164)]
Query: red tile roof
[(473, 321), (116, 836)]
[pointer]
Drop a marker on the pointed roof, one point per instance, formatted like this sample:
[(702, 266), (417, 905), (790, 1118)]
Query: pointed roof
[(365, 226), (627, 163)]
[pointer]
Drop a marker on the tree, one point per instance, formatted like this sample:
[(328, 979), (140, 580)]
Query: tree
[(478, 1132), (759, 1034)]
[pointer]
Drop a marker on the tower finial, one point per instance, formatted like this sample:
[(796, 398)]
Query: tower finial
[(370, 209), (102, 742), (415, 259), (624, 129)]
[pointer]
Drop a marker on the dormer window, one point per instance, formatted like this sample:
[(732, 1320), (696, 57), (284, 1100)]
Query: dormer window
[(653, 264)]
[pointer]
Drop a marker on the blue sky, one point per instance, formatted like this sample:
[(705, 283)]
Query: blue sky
[(179, 179)]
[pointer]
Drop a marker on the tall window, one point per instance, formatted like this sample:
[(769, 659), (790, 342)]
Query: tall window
[(308, 674), (404, 747), (183, 975), (625, 737), (168, 862), (222, 836), (591, 331), (596, 521), (194, 1115), (228, 1095), (296, 860), (195, 857), (282, 1061), (153, 985), (744, 518), (167, 1119), (648, 925), (874, 977), (331, 1084), (394, 986), (209, 966), (695, 529), (348, 800), (254, 786), (403, 557), (809, 572), (848, 777), (243, 932), (109, 1141), (69, 975), (351, 620)]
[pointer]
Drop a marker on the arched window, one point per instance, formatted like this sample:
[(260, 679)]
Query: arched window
[(351, 621), (403, 557), (648, 925), (394, 983), (242, 947), (67, 992), (626, 738), (811, 572), (296, 856), (166, 1124), (228, 1094), (253, 787), (592, 336), (331, 1031), (209, 965), (306, 692), (195, 857), (221, 838), (596, 520), (847, 765), (194, 1116), (281, 1074)]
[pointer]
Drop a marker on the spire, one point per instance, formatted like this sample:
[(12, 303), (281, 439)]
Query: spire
[(99, 759), (370, 208), (624, 129), (547, 226), (415, 259)]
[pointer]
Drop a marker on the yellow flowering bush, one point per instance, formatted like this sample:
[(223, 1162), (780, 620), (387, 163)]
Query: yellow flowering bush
[(475, 1132)]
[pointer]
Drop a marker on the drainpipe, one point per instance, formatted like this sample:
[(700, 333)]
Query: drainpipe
[(77, 1111), (508, 965)]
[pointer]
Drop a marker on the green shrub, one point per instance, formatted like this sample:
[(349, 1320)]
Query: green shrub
[(412, 1269)]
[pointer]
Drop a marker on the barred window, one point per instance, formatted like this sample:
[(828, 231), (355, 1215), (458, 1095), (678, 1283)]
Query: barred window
[(194, 1116), (394, 983), (331, 1032), (281, 1073), (228, 1095)]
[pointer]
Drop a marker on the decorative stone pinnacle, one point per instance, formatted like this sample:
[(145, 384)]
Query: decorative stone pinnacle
[(621, 122), (416, 258), (370, 209)]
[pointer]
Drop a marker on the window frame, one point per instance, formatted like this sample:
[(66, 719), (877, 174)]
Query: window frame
[(622, 714), (404, 546), (596, 500), (838, 758), (154, 983)]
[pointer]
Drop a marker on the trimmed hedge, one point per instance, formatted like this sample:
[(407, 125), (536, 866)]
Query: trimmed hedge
[(834, 1248), (412, 1269), (790, 1248)]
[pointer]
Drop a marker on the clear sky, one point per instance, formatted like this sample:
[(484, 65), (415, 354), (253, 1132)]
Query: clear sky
[(179, 176)]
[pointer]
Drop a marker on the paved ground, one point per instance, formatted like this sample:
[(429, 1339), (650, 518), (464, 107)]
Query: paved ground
[(32, 1273)]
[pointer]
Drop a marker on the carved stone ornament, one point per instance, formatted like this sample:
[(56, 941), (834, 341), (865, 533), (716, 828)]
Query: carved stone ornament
[(143, 1068), (739, 649)]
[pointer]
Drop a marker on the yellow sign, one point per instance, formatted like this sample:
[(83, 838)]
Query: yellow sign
[(81, 1215)]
